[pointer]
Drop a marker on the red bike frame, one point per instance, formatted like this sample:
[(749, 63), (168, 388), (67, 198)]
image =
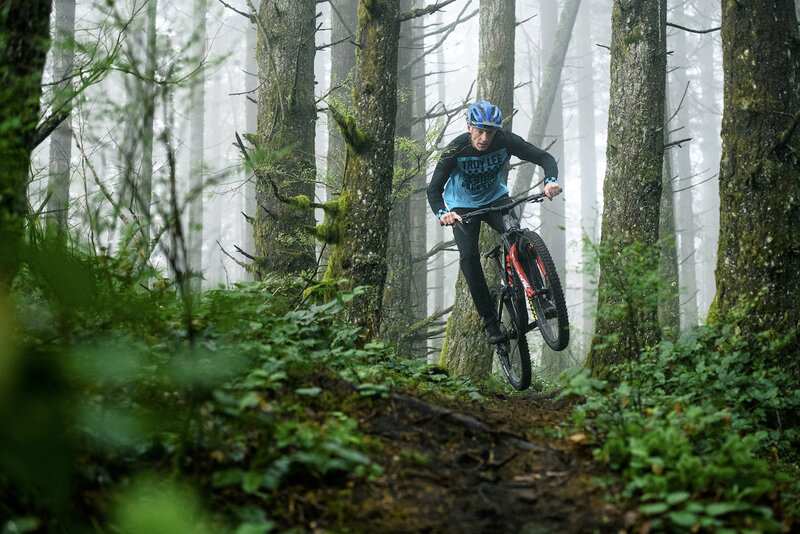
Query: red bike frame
[(513, 260)]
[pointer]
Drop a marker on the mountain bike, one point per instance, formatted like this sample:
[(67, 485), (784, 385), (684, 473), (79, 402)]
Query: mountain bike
[(528, 281)]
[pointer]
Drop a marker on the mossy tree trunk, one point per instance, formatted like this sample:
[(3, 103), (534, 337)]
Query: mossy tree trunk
[(286, 122), (759, 240), (397, 298), (364, 205), (465, 350), (24, 41), (632, 187), (344, 21)]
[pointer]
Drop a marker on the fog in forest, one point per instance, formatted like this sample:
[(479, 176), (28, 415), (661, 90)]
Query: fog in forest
[(107, 141)]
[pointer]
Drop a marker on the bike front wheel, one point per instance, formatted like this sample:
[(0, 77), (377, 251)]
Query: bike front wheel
[(514, 354), (547, 304)]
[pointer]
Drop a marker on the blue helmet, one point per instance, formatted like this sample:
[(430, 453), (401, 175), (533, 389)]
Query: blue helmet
[(482, 114)]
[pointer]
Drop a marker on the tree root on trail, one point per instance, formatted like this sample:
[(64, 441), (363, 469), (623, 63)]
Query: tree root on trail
[(451, 466), (470, 423), (435, 411)]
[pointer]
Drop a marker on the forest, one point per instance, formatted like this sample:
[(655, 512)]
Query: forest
[(226, 305)]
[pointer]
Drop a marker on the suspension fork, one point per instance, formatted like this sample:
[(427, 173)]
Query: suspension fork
[(512, 259)]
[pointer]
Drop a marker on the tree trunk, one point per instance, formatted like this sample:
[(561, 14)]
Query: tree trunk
[(286, 122), (196, 148), (419, 200), (344, 20), (149, 91), (759, 241), (668, 303), (632, 189), (552, 217), (551, 84), (708, 190), (684, 220), (61, 138), (24, 41), (398, 299), (588, 168), (364, 205), (136, 148), (251, 118), (465, 351), (437, 279)]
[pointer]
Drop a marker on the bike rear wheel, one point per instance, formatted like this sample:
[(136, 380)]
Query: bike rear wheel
[(548, 305), (514, 354)]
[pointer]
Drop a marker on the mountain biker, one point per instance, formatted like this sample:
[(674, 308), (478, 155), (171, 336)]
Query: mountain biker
[(469, 176)]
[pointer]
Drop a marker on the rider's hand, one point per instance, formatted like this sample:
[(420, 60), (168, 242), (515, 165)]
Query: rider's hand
[(450, 218), (552, 190)]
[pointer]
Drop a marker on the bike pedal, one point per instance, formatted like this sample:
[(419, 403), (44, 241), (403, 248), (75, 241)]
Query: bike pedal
[(495, 252)]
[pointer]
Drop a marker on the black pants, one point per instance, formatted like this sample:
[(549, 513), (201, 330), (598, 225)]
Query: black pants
[(466, 238)]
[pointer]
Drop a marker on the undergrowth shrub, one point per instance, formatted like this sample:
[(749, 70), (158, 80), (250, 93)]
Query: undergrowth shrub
[(701, 431), (123, 391)]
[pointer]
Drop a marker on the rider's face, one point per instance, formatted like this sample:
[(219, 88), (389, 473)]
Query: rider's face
[(481, 137)]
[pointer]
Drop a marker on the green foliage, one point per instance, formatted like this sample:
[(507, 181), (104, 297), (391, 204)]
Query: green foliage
[(102, 373), (630, 290), (302, 449), (153, 506), (701, 431)]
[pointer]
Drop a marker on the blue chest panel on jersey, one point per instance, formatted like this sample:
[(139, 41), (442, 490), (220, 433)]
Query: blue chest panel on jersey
[(477, 180)]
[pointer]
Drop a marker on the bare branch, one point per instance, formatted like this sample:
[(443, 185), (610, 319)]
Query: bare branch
[(246, 266), (39, 211), (520, 23), (684, 28), (674, 191), (324, 46), (243, 253), (248, 15), (447, 30), (449, 27), (677, 143), (412, 331), (444, 245), (680, 104), (48, 125), (427, 10), (785, 135)]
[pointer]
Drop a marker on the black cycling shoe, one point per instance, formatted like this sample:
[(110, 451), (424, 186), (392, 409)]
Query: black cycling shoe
[(495, 333)]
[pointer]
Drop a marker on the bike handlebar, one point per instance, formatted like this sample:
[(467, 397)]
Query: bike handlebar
[(536, 197)]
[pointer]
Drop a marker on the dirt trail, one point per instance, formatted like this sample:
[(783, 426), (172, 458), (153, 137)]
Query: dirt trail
[(491, 467)]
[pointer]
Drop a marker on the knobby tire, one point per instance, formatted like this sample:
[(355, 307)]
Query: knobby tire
[(513, 315), (541, 272)]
